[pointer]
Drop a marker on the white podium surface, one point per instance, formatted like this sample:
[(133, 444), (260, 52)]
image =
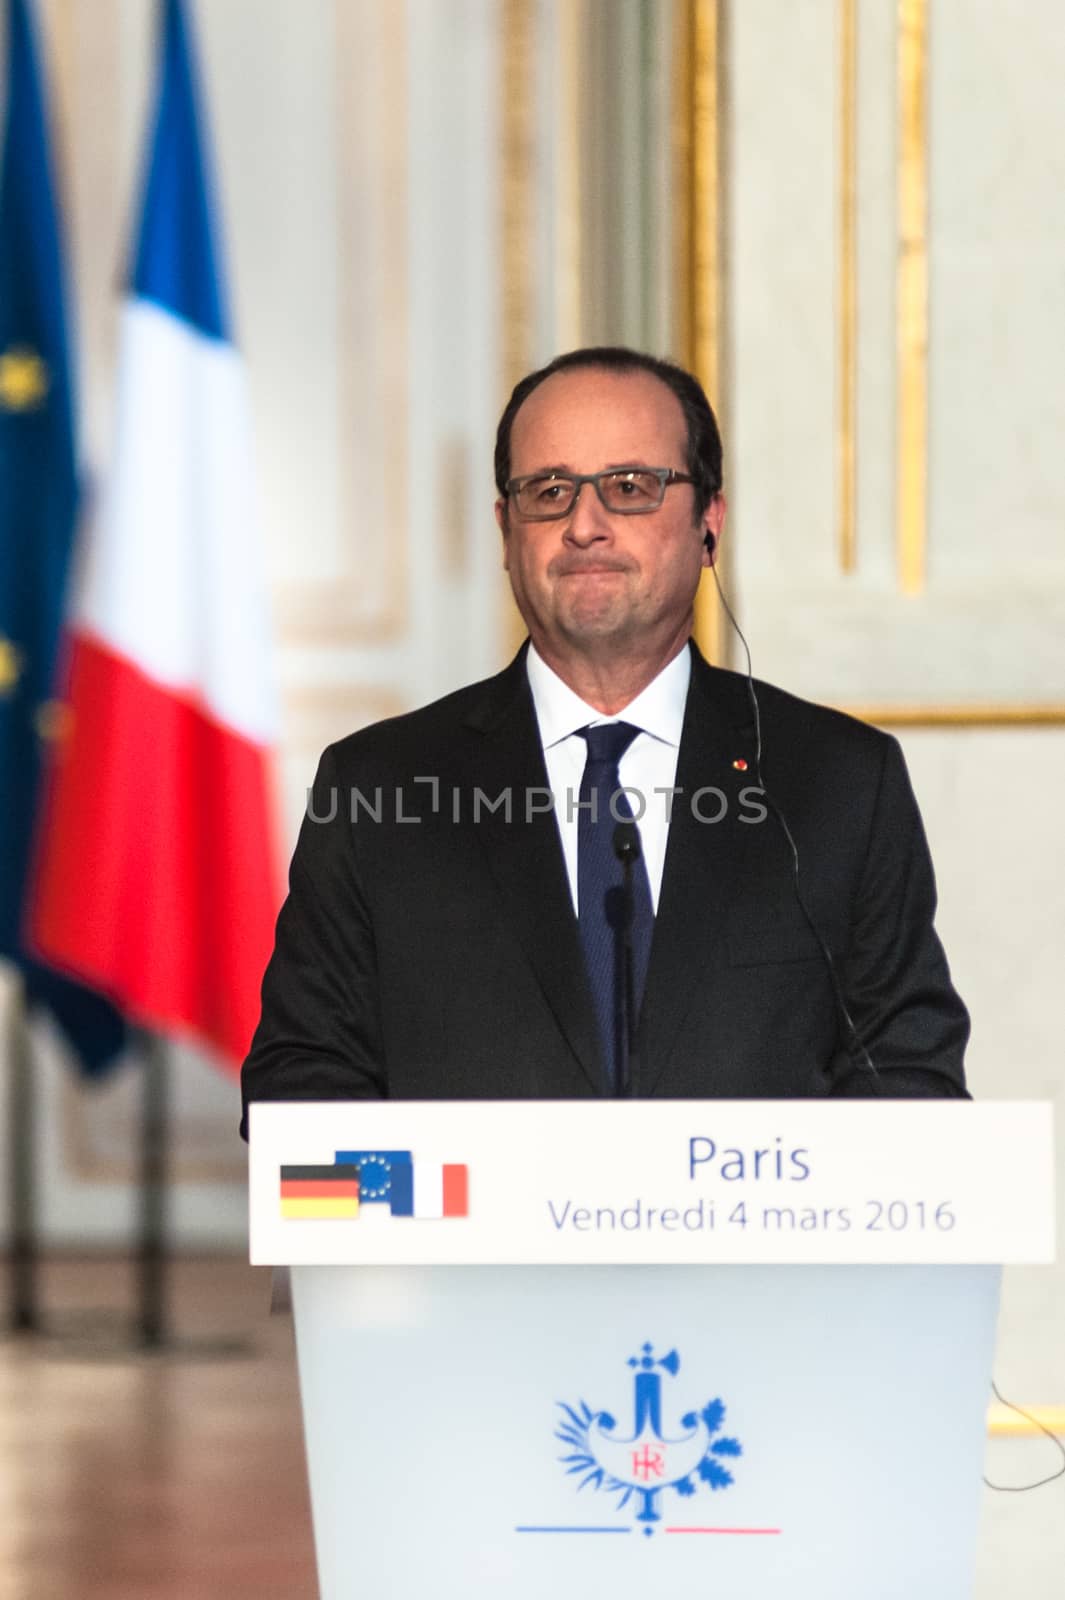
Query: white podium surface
[(704, 1408), (672, 1181)]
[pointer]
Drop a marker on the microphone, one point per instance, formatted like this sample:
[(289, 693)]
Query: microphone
[(627, 844), (627, 850)]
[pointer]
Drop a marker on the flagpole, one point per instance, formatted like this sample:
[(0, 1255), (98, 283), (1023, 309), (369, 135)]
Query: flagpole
[(103, 1334), (24, 1249), (152, 1255)]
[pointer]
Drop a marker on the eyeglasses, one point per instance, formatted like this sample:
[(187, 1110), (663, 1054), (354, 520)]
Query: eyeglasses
[(629, 491)]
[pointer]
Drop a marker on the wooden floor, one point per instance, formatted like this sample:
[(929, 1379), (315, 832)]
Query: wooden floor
[(173, 1477), (181, 1477)]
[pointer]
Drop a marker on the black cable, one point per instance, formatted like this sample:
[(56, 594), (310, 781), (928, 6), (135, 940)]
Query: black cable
[(857, 1041), (1025, 1488), (1001, 1488)]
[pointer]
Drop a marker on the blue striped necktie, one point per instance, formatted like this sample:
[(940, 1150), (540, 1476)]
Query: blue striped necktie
[(601, 895)]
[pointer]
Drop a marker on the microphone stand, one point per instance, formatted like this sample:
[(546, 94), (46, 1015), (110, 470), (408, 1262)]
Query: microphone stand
[(627, 851)]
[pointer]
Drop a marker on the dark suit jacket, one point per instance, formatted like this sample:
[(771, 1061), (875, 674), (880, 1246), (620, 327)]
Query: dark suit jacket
[(439, 957)]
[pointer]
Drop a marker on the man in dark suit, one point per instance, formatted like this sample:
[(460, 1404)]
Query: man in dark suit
[(450, 934)]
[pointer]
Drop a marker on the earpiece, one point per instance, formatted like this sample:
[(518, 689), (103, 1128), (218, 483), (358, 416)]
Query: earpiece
[(710, 541)]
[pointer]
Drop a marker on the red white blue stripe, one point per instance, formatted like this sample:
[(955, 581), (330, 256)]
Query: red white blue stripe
[(160, 878)]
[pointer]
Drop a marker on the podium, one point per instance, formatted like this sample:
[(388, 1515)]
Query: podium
[(654, 1347)]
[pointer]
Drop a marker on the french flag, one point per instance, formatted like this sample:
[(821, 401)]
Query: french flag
[(430, 1189), (158, 876)]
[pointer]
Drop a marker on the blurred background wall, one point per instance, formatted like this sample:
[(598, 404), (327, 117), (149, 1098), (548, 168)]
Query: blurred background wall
[(845, 214)]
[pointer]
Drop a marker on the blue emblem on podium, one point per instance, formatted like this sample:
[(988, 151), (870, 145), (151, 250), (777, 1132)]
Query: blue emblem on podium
[(637, 1466)]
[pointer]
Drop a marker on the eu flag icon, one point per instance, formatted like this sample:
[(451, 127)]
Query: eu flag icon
[(377, 1171)]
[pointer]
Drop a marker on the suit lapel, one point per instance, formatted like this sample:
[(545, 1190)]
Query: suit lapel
[(525, 856), (702, 860)]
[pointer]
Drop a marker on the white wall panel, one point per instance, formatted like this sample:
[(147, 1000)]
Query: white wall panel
[(357, 151), (991, 621), (989, 628)]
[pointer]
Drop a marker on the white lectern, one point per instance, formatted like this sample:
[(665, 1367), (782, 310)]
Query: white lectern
[(649, 1348)]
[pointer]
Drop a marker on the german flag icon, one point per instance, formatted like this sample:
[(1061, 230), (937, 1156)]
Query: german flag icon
[(320, 1192)]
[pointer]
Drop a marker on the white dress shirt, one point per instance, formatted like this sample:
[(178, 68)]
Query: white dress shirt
[(648, 765)]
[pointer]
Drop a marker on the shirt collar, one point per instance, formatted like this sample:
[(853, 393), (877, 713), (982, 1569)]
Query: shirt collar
[(657, 710)]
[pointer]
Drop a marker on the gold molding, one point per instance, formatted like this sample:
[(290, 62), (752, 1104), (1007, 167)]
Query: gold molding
[(698, 102), (911, 308), (982, 715), (334, 611), (847, 287), (682, 285), (517, 245), (568, 181), (519, 197), (1004, 1422)]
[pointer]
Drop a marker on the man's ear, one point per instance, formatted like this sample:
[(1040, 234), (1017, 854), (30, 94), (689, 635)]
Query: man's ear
[(713, 527)]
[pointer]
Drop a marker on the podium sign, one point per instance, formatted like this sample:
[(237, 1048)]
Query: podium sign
[(727, 1407), (651, 1182)]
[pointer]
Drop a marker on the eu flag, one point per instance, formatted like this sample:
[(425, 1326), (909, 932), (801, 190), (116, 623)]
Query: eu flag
[(380, 1172), (38, 511)]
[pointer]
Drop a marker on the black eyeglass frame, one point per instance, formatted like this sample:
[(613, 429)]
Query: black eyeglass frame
[(665, 475)]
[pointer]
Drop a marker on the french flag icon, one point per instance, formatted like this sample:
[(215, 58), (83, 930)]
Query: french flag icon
[(430, 1189)]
